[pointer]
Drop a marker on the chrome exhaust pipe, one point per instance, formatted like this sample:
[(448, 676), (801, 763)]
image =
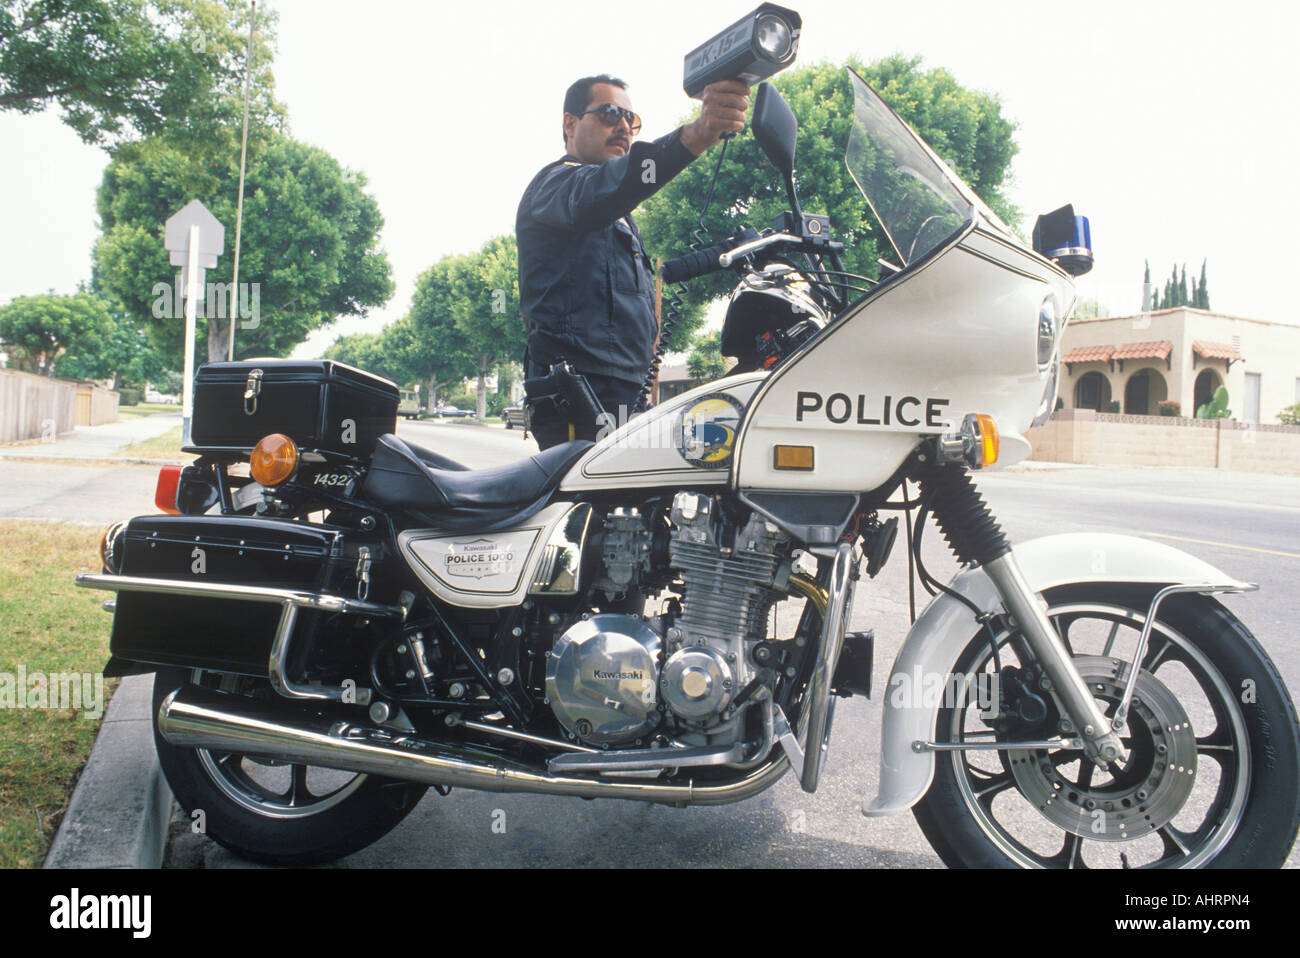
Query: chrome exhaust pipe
[(193, 717)]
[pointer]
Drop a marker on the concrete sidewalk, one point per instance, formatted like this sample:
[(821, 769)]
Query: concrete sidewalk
[(96, 442)]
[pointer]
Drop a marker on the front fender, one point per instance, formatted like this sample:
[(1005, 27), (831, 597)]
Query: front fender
[(946, 626)]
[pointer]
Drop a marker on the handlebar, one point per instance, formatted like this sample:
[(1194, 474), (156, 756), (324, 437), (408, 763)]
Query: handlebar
[(693, 265), (709, 260), (753, 246)]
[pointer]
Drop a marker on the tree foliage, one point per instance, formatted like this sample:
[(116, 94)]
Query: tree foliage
[(36, 330), (464, 321), (486, 308), (1176, 292), (309, 250), (120, 69), (76, 337), (705, 363), (966, 128), (440, 343)]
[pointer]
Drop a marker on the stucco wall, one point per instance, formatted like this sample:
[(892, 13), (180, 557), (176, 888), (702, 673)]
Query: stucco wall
[(1098, 439)]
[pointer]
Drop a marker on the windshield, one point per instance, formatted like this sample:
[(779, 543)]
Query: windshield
[(918, 200)]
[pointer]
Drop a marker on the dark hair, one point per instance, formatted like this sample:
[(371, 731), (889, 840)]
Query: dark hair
[(578, 95)]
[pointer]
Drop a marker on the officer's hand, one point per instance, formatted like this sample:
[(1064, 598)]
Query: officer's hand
[(725, 104)]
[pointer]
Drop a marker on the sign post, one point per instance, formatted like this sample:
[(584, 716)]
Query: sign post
[(194, 239)]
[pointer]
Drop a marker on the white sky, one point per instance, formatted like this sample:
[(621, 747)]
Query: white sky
[(1172, 125)]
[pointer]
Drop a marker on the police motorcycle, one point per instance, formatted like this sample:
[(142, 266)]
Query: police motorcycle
[(339, 619)]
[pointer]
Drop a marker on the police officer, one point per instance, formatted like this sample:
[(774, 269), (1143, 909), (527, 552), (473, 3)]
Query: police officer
[(586, 285)]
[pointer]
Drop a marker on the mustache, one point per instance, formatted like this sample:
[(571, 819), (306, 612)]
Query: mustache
[(618, 139)]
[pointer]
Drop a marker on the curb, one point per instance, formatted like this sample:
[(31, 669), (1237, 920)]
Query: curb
[(121, 807)]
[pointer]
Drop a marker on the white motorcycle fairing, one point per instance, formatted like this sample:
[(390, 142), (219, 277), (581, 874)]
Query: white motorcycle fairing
[(946, 627), (956, 334), (660, 448)]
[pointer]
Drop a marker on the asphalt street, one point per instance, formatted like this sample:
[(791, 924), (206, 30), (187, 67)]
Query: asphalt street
[(1247, 525)]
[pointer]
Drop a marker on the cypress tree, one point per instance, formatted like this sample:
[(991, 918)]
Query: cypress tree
[(1147, 304), (1204, 291), (1182, 288)]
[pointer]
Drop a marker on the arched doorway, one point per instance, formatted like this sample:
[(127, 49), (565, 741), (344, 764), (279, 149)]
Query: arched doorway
[(1207, 383), (1092, 391), (1144, 392)]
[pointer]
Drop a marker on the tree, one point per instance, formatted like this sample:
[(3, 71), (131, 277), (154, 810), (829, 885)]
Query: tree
[(122, 354), (37, 330), (486, 308), (964, 127), (1176, 291), (441, 350), (143, 67), (1089, 309), (310, 244), (705, 362), (1148, 293), (368, 351)]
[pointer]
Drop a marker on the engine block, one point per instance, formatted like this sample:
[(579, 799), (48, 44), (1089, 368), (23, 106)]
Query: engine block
[(727, 597)]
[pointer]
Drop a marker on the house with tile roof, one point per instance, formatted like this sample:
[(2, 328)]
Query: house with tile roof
[(1180, 355)]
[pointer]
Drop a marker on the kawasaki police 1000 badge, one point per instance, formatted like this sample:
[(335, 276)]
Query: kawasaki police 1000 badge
[(706, 432)]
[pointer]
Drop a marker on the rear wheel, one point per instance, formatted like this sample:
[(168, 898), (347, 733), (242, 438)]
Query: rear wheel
[(1213, 774), (274, 812)]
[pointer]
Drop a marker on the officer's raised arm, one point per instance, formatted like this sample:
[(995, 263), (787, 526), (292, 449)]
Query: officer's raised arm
[(605, 175)]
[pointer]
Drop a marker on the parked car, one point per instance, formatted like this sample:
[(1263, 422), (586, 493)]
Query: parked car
[(454, 412), (514, 416)]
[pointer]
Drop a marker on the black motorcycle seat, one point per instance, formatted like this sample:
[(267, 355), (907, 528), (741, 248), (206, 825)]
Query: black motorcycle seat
[(400, 477), (434, 460)]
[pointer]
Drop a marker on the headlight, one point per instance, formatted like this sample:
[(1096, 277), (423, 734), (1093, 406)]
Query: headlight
[(1048, 405), (1047, 328)]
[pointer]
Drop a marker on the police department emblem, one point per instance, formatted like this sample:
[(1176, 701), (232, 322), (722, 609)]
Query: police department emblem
[(706, 431)]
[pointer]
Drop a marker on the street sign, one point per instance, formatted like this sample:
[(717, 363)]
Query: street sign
[(194, 238), (176, 233)]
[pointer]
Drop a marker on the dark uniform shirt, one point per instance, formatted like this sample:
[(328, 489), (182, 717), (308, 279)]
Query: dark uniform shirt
[(586, 286)]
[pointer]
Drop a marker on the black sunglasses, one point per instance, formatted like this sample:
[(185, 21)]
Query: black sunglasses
[(611, 113)]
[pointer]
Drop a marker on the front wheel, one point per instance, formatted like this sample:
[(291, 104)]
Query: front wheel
[(1213, 773), (273, 812)]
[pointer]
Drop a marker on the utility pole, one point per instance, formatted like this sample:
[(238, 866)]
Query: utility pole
[(243, 157)]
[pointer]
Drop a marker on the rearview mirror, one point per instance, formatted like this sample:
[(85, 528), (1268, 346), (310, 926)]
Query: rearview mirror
[(775, 128)]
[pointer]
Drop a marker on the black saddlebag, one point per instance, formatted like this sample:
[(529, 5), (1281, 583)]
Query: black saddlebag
[(193, 630), (321, 405)]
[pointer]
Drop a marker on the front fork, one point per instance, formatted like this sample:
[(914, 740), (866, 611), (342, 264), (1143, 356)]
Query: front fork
[(975, 536), (1101, 743)]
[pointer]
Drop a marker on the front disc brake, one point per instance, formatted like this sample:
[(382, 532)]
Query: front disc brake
[(1130, 800)]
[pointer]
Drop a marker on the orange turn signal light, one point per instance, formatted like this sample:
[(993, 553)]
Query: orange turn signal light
[(274, 460), (988, 437), (794, 458), (110, 547)]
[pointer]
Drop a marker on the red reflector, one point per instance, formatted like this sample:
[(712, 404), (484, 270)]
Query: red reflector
[(164, 497)]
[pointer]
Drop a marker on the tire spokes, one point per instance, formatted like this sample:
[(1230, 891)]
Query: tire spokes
[(1015, 827), (298, 793)]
